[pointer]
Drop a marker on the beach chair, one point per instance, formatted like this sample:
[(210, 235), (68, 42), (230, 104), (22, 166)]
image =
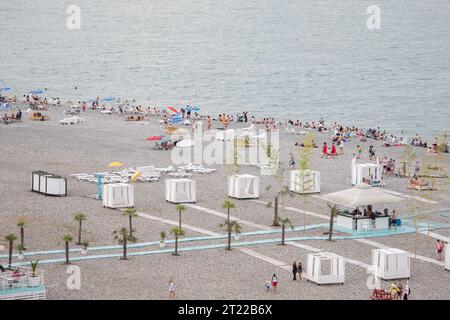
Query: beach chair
[(379, 294), (165, 170), (180, 174)]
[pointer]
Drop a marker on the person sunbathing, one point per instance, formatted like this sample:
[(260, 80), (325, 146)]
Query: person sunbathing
[(415, 183)]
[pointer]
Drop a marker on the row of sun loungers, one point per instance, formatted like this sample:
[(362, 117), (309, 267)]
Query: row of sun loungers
[(147, 174)]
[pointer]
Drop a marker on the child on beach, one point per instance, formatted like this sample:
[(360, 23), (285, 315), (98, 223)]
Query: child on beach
[(267, 284), (439, 249), (274, 282), (171, 289), (325, 151), (358, 151), (333, 150)]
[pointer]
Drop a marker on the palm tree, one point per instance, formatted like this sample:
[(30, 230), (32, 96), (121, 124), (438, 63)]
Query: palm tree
[(275, 222), (131, 213), (180, 208), (229, 227), (123, 236), (67, 239), (333, 213), (21, 224), (10, 238), (176, 232), (284, 222), (79, 217), (228, 204)]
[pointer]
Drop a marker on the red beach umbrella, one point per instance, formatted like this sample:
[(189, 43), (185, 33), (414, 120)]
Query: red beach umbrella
[(154, 138), (172, 109)]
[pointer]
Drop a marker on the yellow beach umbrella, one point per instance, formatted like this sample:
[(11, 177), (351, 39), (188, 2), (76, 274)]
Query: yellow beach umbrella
[(115, 164), (135, 176)]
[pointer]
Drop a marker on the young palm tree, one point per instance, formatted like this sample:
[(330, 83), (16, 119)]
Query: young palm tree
[(123, 236), (67, 239), (275, 222), (79, 217), (284, 222), (21, 224), (333, 213), (180, 209), (227, 204), (230, 227), (10, 238), (176, 232), (131, 213)]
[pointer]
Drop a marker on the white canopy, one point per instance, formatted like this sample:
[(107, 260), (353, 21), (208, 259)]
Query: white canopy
[(361, 195)]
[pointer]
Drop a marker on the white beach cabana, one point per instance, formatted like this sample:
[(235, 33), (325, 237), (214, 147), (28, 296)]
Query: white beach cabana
[(118, 195), (180, 190), (361, 195), (48, 184), (305, 181), (325, 268), (391, 263), (370, 171), (243, 186), (225, 135)]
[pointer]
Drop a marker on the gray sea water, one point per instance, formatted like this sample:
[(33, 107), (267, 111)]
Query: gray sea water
[(302, 59)]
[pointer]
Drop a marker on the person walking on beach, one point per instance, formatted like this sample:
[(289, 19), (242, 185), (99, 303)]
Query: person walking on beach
[(209, 122), (406, 291), (188, 112), (358, 151), (341, 146), (325, 151), (300, 270), (171, 289), (371, 153), (333, 150), (267, 284), (292, 161), (245, 116), (274, 282), (183, 111), (439, 249), (417, 168), (294, 271)]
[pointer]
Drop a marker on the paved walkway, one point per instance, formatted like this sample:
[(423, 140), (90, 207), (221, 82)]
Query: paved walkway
[(369, 242)]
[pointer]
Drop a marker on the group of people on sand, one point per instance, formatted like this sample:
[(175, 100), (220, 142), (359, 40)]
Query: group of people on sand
[(399, 291), (331, 150), (14, 117)]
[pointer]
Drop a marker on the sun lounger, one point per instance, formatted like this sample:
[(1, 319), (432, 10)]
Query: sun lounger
[(423, 188), (180, 174), (165, 170)]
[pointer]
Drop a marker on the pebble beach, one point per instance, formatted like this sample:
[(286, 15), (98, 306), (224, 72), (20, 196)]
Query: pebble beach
[(199, 273)]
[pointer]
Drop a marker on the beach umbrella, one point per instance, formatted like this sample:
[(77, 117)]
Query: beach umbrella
[(109, 98), (37, 91), (154, 138), (361, 195), (115, 164), (176, 119), (185, 143), (5, 89), (172, 109)]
